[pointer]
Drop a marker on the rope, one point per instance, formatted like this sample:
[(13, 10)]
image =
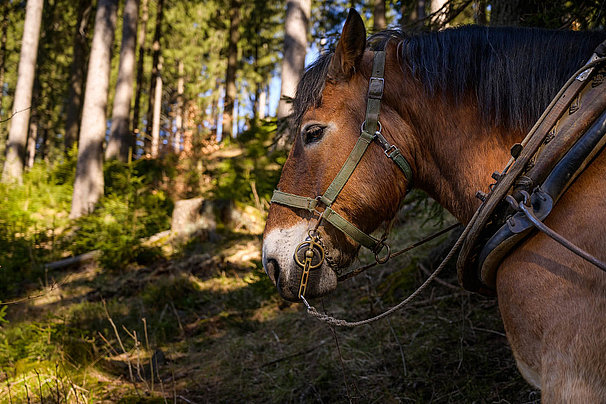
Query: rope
[(363, 268), (311, 310)]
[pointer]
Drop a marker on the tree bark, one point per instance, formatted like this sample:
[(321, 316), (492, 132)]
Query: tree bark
[(153, 82), (179, 117), (380, 21), (120, 135), (5, 11), (440, 12), (505, 12), (88, 185), (140, 60), (230, 75), (31, 143), (77, 71), (261, 102), (296, 27), (17, 137), (155, 143)]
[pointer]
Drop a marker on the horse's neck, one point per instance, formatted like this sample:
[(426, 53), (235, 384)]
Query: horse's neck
[(458, 155)]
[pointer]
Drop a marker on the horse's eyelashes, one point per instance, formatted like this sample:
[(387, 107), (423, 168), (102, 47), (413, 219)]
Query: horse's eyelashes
[(313, 133)]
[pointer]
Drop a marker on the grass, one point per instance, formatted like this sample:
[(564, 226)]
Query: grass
[(223, 335), (206, 325)]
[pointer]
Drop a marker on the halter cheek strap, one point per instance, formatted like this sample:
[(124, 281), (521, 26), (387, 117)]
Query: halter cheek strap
[(370, 131)]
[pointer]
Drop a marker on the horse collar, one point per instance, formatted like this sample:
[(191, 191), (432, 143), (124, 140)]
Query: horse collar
[(369, 132)]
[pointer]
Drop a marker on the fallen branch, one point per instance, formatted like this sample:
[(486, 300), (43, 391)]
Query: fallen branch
[(78, 259)]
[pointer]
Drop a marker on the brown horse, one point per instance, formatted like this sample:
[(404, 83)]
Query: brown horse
[(453, 103)]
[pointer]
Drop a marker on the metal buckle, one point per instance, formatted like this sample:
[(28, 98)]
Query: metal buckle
[(390, 150), (375, 88)]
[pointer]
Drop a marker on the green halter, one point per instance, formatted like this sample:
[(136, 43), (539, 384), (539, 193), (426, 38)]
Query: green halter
[(370, 131)]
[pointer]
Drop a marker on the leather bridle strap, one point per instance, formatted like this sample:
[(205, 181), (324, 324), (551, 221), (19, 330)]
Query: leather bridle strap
[(370, 131)]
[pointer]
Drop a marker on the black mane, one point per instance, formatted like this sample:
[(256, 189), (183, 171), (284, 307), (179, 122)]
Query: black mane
[(513, 72)]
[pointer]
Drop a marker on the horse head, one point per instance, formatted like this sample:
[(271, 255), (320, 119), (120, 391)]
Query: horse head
[(328, 118)]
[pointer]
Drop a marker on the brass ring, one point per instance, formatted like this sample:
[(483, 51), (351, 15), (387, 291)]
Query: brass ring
[(319, 249)]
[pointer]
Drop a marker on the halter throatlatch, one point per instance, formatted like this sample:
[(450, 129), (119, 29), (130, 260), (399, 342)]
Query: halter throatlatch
[(369, 132)]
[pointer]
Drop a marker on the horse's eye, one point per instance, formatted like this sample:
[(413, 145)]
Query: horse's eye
[(313, 133)]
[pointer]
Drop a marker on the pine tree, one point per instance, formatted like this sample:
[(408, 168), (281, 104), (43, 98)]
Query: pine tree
[(13, 167), (88, 184), (235, 18), (120, 135), (296, 27), (77, 71)]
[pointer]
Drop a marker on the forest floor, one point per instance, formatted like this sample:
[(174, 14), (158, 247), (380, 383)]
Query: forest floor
[(206, 325)]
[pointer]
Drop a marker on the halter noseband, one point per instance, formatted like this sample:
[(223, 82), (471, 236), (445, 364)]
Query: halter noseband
[(369, 132)]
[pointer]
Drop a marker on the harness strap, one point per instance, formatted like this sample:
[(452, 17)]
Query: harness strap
[(335, 187), (352, 231)]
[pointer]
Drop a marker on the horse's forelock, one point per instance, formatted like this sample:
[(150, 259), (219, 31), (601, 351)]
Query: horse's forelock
[(309, 89)]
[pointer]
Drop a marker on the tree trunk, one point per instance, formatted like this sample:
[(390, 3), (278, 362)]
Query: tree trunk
[(214, 109), (296, 26), (88, 185), (17, 137), (155, 143), (230, 75), (5, 12), (120, 135), (261, 102), (505, 12), (76, 81), (380, 21), (153, 82), (31, 144), (439, 10), (140, 60), (179, 117)]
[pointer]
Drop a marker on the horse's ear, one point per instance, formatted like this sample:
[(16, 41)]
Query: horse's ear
[(350, 48)]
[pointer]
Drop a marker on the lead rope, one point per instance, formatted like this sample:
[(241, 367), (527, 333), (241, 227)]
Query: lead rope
[(311, 310)]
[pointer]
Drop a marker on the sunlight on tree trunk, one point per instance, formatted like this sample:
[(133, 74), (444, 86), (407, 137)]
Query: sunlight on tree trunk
[(77, 71), (17, 137), (141, 45), (440, 10), (153, 84), (120, 135), (88, 184), (261, 102), (230, 75), (179, 117), (296, 27), (155, 142)]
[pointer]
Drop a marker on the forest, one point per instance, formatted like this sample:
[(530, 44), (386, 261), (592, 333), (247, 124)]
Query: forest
[(140, 142)]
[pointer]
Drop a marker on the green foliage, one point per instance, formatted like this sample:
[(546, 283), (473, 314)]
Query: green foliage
[(238, 178), (30, 217), (133, 208)]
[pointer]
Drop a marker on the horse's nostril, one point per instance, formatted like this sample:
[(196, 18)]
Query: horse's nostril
[(273, 270)]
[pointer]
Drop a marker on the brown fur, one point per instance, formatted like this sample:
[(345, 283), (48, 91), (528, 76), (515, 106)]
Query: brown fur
[(553, 303)]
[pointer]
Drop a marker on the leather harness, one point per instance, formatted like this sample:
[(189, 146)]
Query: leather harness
[(554, 153)]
